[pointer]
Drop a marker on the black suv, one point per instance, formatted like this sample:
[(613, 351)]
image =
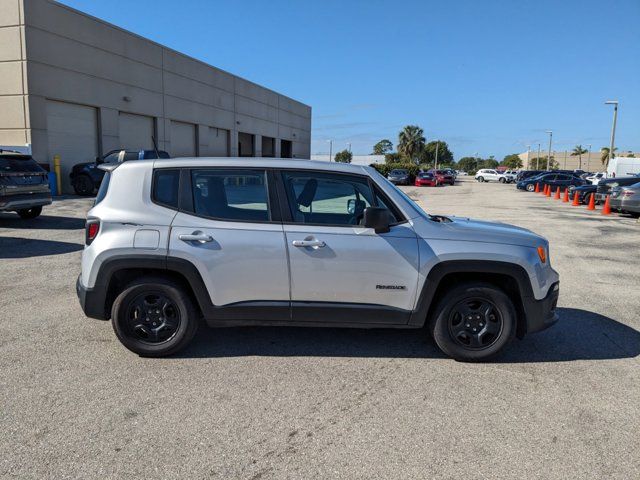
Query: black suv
[(86, 178), (24, 185)]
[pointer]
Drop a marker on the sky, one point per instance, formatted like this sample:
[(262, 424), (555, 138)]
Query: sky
[(488, 77)]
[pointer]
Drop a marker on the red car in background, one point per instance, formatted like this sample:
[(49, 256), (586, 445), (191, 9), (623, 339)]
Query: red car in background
[(426, 180), (443, 177)]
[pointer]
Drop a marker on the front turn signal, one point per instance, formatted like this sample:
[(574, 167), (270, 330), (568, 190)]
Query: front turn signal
[(542, 253)]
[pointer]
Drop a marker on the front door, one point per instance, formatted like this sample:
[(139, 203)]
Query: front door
[(237, 243), (341, 271)]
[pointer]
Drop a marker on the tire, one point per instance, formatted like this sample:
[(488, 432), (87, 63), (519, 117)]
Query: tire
[(83, 185), (481, 179), (502, 180), (159, 300), (531, 187), (28, 213), (454, 338)]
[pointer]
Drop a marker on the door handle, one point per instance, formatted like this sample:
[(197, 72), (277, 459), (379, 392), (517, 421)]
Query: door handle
[(196, 236), (308, 243)]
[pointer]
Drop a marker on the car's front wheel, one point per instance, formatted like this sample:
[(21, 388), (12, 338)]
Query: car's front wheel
[(473, 322), (531, 187), (502, 180), (28, 213), (154, 317)]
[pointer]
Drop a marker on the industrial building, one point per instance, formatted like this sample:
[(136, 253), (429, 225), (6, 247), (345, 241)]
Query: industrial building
[(75, 86)]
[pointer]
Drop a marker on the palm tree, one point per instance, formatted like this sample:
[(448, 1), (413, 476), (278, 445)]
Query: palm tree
[(604, 155), (578, 151), (411, 142)]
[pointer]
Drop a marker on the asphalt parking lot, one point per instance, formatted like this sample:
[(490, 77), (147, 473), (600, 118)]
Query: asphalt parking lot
[(325, 403)]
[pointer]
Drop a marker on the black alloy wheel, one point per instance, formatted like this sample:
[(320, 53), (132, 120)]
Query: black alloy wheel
[(475, 323)]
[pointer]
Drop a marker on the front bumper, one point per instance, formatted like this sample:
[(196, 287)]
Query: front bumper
[(541, 314), (92, 301)]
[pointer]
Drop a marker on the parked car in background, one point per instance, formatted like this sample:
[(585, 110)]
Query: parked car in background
[(425, 179), (490, 175), (606, 186), (583, 191), (259, 241), (461, 173), (563, 180), (443, 177), (86, 177), (451, 171), (627, 199), (596, 177), (524, 174), (24, 185), (399, 176)]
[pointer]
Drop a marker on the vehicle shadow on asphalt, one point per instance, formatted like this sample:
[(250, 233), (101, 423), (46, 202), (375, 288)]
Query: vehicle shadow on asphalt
[(43, 222), (578, 335), (14, 247)]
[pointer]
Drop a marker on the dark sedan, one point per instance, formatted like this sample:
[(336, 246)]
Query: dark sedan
[(584, 192), (553, 179), (606, 186), (399, 176)]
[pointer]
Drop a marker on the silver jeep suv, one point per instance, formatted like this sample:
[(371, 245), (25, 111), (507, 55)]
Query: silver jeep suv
[(296, 242)]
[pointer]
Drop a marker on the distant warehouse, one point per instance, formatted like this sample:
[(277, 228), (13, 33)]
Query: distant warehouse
[(75, 86)]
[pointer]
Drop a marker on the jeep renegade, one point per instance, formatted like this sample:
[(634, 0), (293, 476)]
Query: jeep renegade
[(295, 242)]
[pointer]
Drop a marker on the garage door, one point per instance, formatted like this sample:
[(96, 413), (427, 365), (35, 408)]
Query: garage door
[(135, 131), (183, 139), (217, 144), (73, 134)]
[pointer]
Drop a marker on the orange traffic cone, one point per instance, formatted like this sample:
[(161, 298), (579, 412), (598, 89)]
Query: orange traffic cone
[(606, 210), (565, 199), (543, 189), (547, 193), (557, 195), (537, 190), (592, 202), (576, 201)]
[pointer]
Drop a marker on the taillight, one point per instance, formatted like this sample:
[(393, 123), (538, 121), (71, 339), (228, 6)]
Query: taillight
[(91, 231)]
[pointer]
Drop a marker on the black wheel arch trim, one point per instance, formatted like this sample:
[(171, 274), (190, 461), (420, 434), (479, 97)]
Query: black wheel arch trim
[(427, 301)]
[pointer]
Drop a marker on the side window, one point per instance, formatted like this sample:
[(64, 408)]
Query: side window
[(394, 214), (234, 195), (166, 185), (327, 199)]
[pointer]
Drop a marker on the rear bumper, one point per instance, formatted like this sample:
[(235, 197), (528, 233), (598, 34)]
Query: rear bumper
[(24, 200), (541, 314), (92, 301)]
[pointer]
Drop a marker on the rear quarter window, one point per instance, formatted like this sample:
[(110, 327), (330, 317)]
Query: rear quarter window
[(104, 187), (166, 186)]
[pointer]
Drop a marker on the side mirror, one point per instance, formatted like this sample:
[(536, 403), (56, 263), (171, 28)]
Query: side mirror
[(99, 160), (377, 218)]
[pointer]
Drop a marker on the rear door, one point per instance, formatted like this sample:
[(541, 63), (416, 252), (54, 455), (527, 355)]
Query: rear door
[(231, 231), (340, 270)]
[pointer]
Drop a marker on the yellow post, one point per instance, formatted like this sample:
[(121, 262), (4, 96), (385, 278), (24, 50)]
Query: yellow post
[(56, 169)]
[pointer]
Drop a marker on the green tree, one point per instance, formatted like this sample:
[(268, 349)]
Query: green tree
[(428, 154), (578, 151), (487, 162), (392, 158), (542, 163), (382, 147), (604, 155), (468, 164), (411, 142), (631, 155), (512, 161), (344, 156)]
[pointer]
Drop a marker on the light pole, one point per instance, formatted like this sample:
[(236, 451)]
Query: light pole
[(613, 128), (528, 153), (588, 158), (436, 162), (550, 132), (538, 159), (349, 144), (330, 149)]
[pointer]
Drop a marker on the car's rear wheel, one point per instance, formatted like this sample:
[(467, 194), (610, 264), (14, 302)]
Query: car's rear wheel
[(473, 322), (531, 187), (481, 179), (32, 212), (83, 185), (154, 317), (502, 180)]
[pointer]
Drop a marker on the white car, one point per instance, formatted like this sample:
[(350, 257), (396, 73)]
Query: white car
[(596, 177), (490, 175)]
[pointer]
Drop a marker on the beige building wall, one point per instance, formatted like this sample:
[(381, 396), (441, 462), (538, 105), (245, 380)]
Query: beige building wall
[(590, 163), (52, 53)]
